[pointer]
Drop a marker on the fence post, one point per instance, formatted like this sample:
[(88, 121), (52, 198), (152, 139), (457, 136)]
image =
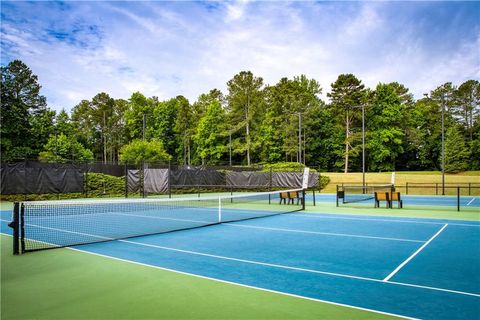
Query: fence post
[(406, 188), (169, 179), (142, 179), (436, 189), (458, 198), (25, 180), (336, 195), (86, 181), (126, 181), (469, 188)]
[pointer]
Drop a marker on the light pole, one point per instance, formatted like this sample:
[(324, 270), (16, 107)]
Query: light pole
[(443, 145), (363, 146), (299, 137), (230, 146)]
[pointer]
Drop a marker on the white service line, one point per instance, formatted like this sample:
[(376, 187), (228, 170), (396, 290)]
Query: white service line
[(469, 203), (414, 254), (320, 215), (321, 233), (341, 275)]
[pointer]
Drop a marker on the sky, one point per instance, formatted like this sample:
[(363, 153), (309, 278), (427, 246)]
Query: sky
[(170, 48)]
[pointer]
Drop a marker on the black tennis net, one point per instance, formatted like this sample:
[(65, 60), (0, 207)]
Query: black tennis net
[(43, 225), (350, 194)]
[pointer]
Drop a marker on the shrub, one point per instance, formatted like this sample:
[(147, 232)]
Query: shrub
[(99, 183), (285, 167)]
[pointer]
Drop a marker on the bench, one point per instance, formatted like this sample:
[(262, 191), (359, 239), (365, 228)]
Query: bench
[(395, 196), (291, 196), (388, 197), (382, 196)]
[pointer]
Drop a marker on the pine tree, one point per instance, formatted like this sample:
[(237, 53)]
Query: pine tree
[(456, 151)]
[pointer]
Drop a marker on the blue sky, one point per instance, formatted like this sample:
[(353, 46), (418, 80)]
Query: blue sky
[(165, 49)]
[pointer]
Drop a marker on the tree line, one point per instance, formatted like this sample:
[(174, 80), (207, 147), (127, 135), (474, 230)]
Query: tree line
[(251, 123)]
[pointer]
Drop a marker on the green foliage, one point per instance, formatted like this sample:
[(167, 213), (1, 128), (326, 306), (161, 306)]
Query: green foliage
[(324, 181), (285, 167), (456, 151), (262, 120), (211, 135), (23, 112), (99, 125), (385, 135), (245, 109), (347, 95), (163, 124), (62, 149), (139, 151), (99, 183)]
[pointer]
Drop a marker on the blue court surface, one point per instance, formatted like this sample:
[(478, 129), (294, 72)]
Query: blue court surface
[(466, 201), (415, 268)]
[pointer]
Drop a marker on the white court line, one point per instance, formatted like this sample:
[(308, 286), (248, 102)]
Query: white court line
[(319, 215), (267, 264), (414, 254), (253, 227), (295, 268), (163, 218), (473, 199), (321, 233)]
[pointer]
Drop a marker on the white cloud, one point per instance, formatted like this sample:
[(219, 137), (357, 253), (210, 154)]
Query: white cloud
[(166, 49), (236, 10)]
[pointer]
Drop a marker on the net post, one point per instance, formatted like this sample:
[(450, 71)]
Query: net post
[(303, 199), (337, 195), (22, 228), (14, 225), (219, 210), (458, 198), (314, 203)]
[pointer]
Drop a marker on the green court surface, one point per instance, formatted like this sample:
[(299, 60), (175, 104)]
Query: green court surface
[(67, 284)]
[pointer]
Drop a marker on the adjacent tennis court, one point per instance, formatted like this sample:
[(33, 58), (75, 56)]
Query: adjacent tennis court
[(408, 267)]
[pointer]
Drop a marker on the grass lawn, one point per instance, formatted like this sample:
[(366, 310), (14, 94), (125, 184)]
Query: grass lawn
[(401, 179)]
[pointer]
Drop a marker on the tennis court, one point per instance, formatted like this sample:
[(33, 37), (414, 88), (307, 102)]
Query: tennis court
[(414, 268), (466, 202)]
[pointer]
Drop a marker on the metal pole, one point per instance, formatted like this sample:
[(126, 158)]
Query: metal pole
[(299, 137), (458, 198), (230, 147), (363, 145), (443, 146), (104, 140)]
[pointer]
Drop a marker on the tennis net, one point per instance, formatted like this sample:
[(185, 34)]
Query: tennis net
[(350, 194), (40, 225)]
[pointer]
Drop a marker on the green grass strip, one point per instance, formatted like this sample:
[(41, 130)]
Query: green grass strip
[(67, 284)]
